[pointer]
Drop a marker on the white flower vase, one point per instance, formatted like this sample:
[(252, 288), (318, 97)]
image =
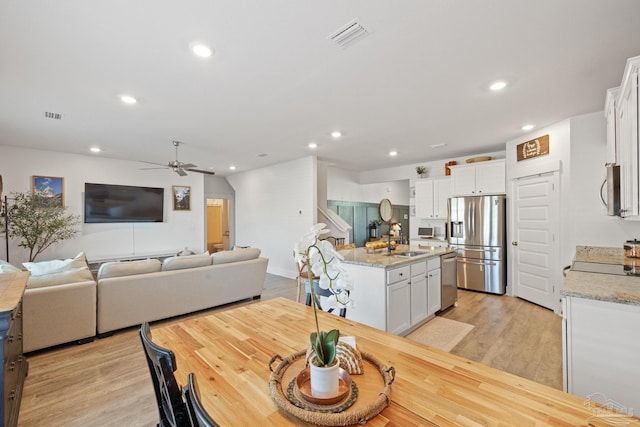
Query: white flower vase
[(325, 380)]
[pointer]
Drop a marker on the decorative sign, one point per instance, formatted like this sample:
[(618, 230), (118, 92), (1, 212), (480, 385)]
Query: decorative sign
[(534, 148)]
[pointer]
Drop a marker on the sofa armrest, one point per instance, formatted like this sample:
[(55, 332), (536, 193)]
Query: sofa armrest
[(58, 314)]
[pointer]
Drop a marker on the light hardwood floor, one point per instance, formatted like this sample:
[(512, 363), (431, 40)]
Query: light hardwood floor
[(107, 383)]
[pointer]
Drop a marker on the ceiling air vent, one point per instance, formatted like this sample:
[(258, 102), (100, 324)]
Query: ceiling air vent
[(50, 115), (348, 33)]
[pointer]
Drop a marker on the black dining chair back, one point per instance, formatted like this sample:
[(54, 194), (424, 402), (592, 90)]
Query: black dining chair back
[(162, 365), (321, 293), (198, 415)]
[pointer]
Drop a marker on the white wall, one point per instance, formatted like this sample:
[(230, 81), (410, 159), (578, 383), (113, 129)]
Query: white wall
[(275, 206), (103, 241), (344, 185)]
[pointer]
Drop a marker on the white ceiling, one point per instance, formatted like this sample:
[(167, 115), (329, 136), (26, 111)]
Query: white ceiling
[(276, 82)]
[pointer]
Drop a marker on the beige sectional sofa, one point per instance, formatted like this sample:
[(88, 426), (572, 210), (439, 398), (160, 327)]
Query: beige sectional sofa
[(63, 302), (134, 292)]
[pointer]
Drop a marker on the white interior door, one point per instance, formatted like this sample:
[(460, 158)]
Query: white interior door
[(535, 245)]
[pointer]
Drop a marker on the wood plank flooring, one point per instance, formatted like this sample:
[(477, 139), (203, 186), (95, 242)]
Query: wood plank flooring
[(107, 383)]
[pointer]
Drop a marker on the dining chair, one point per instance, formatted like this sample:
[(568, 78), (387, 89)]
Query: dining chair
[(162, 365), (198, 415), (303, 276), (321, 293)]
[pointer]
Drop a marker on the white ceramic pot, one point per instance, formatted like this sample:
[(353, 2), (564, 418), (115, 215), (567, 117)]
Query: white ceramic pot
[(325, 380)]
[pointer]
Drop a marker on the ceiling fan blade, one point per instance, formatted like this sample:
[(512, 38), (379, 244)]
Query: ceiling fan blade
[(180, 171), (148, 169), (153, 163), (188, 165), (201, 171)]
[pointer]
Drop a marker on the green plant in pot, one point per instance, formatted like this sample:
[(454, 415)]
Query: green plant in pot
[(323, 261), (421, 171)]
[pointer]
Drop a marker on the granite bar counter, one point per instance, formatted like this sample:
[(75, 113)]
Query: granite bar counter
[(616, 288), (383, 259)]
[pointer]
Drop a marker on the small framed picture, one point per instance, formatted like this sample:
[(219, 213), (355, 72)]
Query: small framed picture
[(181, 198), (49, 187)]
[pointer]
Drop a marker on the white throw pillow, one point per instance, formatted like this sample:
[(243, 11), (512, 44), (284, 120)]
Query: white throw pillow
[(128, 268), (5, 267), (56, 266), (73, 275), (235, 255), (188, 261)]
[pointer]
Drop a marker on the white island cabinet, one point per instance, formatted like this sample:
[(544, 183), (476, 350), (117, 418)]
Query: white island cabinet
[(393, 293)]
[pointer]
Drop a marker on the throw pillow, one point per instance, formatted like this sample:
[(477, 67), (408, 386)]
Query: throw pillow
[(235, 255), (73, 275), (56, 266), (5, 267), (128, 268), (188, 261)]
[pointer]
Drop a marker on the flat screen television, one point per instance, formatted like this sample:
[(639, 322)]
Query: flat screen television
[(122, 203)]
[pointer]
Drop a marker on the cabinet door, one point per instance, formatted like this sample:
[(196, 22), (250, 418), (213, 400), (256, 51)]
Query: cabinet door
[(610, 115), (434, 287), (418, 292), (463, 180), (442, 192), (490, 177), (398, 307), (628, 137), (424, 198)]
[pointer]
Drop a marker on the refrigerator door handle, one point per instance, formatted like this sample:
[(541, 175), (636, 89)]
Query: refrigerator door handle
[(478, 263)]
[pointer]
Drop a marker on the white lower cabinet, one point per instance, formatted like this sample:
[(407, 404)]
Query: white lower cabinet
[(601, 352), (397, 299), (434, 285)]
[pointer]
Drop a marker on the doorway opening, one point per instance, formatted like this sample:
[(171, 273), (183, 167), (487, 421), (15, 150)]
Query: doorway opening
[(217, 225)]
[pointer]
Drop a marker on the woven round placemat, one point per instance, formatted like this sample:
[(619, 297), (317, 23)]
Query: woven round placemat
[(344, 418)]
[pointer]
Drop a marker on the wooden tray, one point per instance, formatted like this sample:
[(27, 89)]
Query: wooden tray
[(374, 391)]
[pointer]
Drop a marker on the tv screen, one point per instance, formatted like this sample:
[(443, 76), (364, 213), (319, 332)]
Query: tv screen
[(122, 203)]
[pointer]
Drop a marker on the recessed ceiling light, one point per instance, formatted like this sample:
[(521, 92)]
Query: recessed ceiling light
[(336, 134), (232, 167), (527, 127), (438, 145), (128, 99), (94, 149), (201, 50), (313, 145), (393, 153), (498, 85)]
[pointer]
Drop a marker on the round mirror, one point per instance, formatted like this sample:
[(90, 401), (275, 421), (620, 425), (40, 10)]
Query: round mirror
[(385, 209)]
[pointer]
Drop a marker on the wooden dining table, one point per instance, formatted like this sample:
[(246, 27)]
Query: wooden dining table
[(231, 352)]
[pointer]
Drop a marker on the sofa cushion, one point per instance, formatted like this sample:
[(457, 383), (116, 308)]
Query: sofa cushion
[(56, 265), (5, 267), (128, 268), (235, 255), (72, 275), (188, 261)]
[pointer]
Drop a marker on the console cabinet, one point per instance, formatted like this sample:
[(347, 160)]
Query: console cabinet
[(14, 363), (478, 179)]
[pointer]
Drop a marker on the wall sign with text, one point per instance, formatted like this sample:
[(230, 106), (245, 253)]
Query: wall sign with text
[(534, 148)]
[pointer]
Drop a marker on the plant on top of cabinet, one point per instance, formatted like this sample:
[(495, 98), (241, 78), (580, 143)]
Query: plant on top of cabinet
[(421, 171)]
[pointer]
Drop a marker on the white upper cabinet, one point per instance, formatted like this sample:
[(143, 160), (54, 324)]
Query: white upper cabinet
[(431, 198), (622, 127), (478, 179), (610, 115)]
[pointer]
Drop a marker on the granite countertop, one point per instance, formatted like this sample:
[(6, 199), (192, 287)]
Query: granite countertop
[(381, 259), (603, 287)]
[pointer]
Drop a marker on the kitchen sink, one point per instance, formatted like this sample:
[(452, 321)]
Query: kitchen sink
[(409, 254)]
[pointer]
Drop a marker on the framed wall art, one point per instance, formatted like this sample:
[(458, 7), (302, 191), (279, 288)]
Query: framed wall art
[(50, 187), (181, 198)]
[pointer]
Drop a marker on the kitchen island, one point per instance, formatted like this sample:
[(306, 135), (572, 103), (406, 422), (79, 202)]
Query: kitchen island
[(601, 308), (394, 291)]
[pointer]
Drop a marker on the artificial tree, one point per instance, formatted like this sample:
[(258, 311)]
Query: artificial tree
[(39, 222)]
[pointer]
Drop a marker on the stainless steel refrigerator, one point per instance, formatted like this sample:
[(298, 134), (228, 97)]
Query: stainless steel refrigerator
[(477, 229)]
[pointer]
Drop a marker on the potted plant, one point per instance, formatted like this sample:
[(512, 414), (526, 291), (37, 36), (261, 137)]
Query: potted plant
[(322, 260), (421, 171), (39, 222)]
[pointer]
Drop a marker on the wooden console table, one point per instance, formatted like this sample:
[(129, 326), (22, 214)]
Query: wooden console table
[(12, 377), (229, 351)]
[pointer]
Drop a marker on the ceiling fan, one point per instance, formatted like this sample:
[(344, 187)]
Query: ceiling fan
[(179, 167)]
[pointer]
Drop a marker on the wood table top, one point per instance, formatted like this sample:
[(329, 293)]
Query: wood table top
[(230, 351)]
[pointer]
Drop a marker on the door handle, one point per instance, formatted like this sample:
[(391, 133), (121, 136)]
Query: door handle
[(514, 243)]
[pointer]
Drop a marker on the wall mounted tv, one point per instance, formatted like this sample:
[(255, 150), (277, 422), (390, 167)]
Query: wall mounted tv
[(122, 203)]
